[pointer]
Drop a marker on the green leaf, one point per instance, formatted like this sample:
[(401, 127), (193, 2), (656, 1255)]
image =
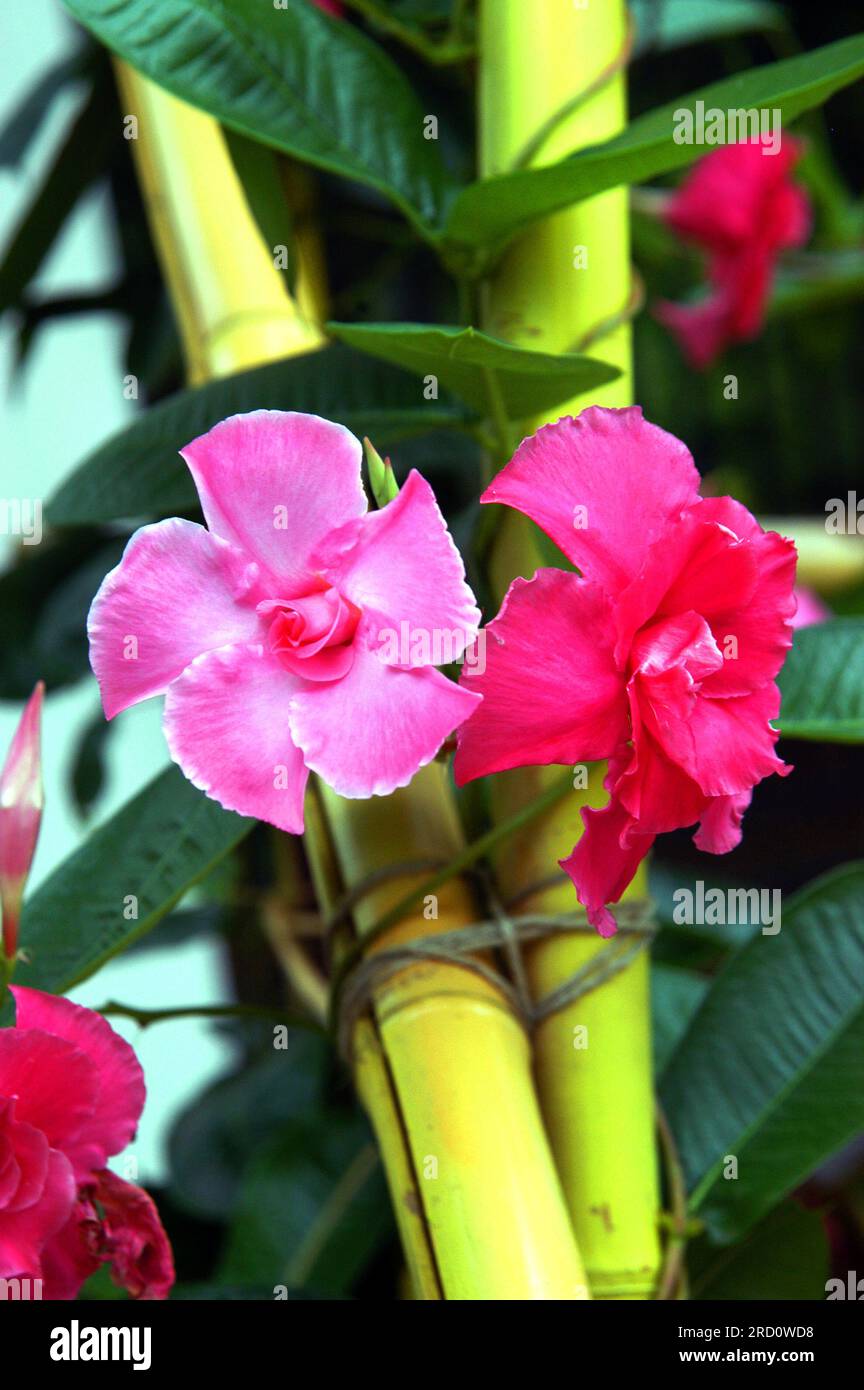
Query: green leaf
[(785, 1256), (474, 365), (139, 862), (139, 473), (488, 213), (822, 683), (769, 1072), (675, 996), (44, 600), (673, 23), (291, 77), (81, 159), (312, 1210), (215, 1138), (258, 169), (24, 124)]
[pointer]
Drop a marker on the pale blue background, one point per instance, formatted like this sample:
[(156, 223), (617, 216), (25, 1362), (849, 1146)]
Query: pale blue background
[(69, 398)]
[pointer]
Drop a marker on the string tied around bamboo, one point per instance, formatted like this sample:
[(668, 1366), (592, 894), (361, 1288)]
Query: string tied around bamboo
[(502, 931)]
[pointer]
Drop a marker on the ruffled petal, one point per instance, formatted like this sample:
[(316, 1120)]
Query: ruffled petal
[(551, 690), (226, 722), (571, 477), (604, 861), (720, 828), (400, 566), (113, 1120), (177, 592), (733, 742), (274, 483), (134, 1240), (373, 730)]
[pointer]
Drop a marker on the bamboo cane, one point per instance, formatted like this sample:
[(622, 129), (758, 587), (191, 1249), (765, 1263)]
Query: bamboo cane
[(444, 1069), (558, 282)]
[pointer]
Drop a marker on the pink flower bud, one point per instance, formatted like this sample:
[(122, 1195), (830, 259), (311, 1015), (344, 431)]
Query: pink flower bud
[(21, 802)]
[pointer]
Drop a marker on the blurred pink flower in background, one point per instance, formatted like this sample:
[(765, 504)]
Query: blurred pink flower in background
[(271, 630), (740, 206), (811, 610), (662, 658), (71, 1093), (21, 803)]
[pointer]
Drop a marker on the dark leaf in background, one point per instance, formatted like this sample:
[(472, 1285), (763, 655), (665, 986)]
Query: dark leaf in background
[(778, 1048), (138, 473), (88, 769), (313, 1208), (664, 24), (44, 600), (26, 121), (675, 996), (291, 77), (784, 1256), (122, 880), (215, 1138), (68, 177)]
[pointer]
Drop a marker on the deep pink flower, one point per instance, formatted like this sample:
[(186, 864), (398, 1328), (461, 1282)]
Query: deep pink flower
[(272, 631), (740, 206), (21, 803), (71, 1093), (330, 7), (660, 656)]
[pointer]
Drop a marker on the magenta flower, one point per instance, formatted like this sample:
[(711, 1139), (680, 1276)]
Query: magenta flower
[(661, 657), (811, 609), (71, 1093), (276, 632), (740, 206), (21, 803)]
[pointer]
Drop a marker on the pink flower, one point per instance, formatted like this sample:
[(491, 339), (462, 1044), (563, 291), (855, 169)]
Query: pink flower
[(740, 206), (71, 1093), (330, 7), (660, 657), (811, 610), (21, 803), (272, 631)]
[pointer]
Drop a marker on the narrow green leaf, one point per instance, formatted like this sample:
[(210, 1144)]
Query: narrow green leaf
[(312, 1209), (26, 120), (258, 170), (488, 213), (675, 996), (462, 358), (139, 473), (770, 1072), (122, 880), (785, 1256), (80, 160), (822, 683), (291, 77), (673, 23)]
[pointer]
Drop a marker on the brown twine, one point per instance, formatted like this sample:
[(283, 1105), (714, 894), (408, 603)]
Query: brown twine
[(457, 947)]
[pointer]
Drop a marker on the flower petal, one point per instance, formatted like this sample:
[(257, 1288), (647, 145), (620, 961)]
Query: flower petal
[(24, 1234), (177, 592), (226, 722), (275, 483), (733, 742), (551, 690), (720, 828), (373, 730), (135, 1242), (629, 477), (401, 567), (604, 861), (57, 1086), (113, 1120)]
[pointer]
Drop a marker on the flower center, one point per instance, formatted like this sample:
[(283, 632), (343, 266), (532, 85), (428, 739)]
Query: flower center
[(312, 635)]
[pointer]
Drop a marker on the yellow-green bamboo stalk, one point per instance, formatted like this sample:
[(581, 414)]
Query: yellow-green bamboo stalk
[(232, 307), (555, 285), (444, 1069)]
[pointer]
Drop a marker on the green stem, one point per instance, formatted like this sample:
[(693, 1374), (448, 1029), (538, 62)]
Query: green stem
[(144, 1017)]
